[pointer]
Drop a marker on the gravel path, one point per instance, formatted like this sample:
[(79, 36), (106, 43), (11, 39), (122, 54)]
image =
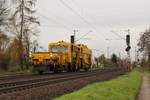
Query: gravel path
[(145, 88)]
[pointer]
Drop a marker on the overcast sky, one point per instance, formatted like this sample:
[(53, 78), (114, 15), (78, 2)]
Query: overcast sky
[(98, 17)]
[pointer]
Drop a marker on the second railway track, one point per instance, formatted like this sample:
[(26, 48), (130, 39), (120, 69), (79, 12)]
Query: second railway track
[(9, 87)]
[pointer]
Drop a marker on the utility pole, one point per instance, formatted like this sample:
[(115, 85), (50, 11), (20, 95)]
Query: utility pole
[(128, 49), (21, 34), (135, 55), (119, 55), (107, 52), (130, 46), (22, 18)]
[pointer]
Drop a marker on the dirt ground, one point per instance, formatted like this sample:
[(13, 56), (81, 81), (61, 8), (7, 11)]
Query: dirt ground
[(145, 88)]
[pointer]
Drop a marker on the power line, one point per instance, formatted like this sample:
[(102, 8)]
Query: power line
[(48, 18), (109, 39), (76, 13), (92, 19), (81, 17), (56, 17), (118, 35), (83, 36), (83, 11)]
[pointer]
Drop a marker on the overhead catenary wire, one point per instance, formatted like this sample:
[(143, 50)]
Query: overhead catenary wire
[(56, 17), (84, 20), (93, 20), (76, 13), (83, 36), (83, 11), (81, 17), (118, 35), (50, 26), (48, 18)]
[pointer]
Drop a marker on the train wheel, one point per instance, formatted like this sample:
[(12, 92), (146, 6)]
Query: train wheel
[(56, 71), (86, 69), (69, 69), (74, 67), (59, 71), (77, 68), (40, 72)]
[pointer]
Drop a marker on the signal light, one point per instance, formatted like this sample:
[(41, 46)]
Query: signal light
[(128, 40), (128, 48), (72, 39)]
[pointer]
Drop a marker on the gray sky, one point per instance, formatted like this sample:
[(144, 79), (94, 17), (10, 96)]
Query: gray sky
[(99, 16)]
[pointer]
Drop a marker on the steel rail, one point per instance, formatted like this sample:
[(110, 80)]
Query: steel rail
[(16, 82), (38, 83)]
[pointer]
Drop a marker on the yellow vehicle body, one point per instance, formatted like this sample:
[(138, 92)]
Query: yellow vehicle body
[(85, 55), (40, 58), (40, 61), (63, 56)]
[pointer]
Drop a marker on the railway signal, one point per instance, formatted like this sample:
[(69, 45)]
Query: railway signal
[(128, 43), (128, 39), (128, 48)]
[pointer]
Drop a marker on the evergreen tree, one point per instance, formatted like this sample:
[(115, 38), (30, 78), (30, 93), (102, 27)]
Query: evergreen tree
[(114, 58)]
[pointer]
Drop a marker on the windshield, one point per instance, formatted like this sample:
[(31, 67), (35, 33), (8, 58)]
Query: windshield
[(59, 49)]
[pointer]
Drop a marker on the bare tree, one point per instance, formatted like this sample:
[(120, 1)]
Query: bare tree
[(24, 22), (4, 39), (144, 43), (102, 59), (4, 42), (34, 46), (3, 15)]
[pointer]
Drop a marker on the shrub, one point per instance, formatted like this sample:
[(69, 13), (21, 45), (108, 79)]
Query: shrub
[(4, 61)]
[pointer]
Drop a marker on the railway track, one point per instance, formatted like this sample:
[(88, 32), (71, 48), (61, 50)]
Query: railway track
[(15, 78), (9, 87), (23, 76)]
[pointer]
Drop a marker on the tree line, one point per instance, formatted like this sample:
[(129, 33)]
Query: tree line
[(114, 61), (144, 47), (18, 32)]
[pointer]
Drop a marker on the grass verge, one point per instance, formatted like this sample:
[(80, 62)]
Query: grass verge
[(122, 88)]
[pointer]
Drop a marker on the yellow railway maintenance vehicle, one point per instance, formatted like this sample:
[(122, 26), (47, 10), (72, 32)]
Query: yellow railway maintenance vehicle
[(63, 56), (40, 61)]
